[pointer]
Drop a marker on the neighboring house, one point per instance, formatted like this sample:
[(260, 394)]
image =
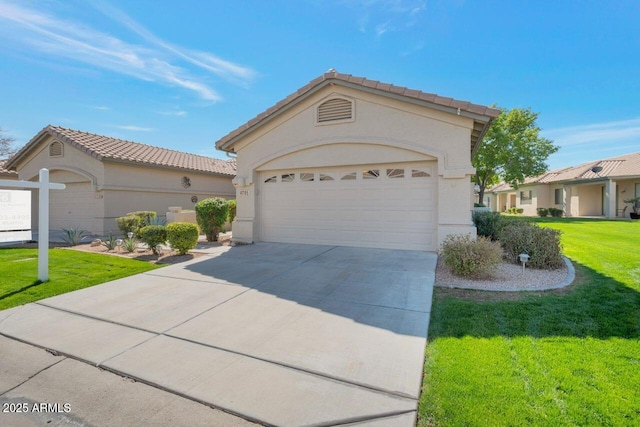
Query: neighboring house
[(6, 173), (108, 177), (596, 188), (356, 162)]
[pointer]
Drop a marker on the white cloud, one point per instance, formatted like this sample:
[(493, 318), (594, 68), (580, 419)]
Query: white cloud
[(136, 128), (386, 16), (607, 133), (154, 61), (178, 113), (100, 107)]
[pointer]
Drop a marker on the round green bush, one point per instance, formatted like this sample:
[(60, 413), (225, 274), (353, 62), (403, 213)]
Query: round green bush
[(211, 215), (182, 236), (541, 244), (469, 256), (153, 235)]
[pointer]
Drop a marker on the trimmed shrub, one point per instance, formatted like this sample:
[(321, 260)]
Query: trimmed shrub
[(145, 216), (182, 236), (541, 244), (211, 215), (555, 212), (543, 212), (153, 235), (487, 223), (479, 205), (134, 221), (519, 211), (232, 210), (129, 224), (470, 257)]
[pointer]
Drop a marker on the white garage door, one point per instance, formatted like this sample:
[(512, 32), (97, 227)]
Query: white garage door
[(75, 206), (382, 206)]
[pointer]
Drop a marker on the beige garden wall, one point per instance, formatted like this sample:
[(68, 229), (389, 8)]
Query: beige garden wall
[(384, 130)]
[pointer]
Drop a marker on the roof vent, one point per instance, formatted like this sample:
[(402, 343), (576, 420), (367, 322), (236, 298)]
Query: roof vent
[(55, 149), (336, 109)]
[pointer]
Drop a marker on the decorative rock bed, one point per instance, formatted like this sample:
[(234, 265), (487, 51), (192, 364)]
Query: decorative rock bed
[(508, 277)]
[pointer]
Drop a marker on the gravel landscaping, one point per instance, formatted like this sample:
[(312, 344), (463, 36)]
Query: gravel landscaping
[(509, 277)]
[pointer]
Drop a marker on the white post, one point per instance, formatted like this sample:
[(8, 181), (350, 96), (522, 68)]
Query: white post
[(43, 226), (43, 220)]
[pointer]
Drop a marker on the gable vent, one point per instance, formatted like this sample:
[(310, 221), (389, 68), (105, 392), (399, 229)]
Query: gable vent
[(55, 149), (335, 109)]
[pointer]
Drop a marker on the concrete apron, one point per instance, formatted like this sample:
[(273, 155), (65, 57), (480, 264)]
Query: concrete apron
[(279, 334)]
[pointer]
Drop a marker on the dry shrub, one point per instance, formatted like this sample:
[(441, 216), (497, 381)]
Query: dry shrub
[(471, 257)]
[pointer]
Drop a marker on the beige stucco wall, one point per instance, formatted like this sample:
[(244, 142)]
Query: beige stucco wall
[(384, 130), (130, 188), (98, 192)]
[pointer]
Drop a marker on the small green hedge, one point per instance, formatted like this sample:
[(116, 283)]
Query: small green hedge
[(182, 236), (134, 221), (541, 244), (153, 235), (470, 256), (232, 210), (211, 215), (543, 212)]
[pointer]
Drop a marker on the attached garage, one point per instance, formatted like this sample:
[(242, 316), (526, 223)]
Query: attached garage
[(354, 162), (389, 205)]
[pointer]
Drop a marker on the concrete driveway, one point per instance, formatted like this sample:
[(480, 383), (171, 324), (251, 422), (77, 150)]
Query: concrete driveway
[(279, 334)]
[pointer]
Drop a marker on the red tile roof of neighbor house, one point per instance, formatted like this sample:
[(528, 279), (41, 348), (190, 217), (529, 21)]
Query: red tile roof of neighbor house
[(104, 147), (618, 167), (481, 114)]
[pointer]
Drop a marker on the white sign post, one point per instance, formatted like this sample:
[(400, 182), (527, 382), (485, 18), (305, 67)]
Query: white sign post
[(43, 216)]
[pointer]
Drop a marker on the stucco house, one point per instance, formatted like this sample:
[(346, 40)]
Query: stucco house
[(355, 162), (596, 188), (108, 177)]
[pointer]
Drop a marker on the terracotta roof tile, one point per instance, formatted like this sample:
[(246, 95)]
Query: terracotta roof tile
[(627, 165), (100, 147)]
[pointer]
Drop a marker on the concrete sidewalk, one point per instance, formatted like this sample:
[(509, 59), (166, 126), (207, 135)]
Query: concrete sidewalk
[(275, 333)]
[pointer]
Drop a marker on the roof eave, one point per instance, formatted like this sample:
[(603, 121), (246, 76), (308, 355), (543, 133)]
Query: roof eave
[(476, 117)]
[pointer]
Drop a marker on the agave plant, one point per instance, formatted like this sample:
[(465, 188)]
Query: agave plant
[(110, 242), (73, 236)]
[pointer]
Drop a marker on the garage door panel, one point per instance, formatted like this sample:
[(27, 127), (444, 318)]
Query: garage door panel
[(379, 212)]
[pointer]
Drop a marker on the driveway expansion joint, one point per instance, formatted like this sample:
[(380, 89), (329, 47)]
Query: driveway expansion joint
[(321, 375)]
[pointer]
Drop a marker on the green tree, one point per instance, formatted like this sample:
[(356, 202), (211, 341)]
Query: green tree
[(6, 146), (512, 150)]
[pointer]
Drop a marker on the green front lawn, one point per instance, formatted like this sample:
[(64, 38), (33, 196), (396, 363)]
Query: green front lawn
[(567, 357), (68, 271)]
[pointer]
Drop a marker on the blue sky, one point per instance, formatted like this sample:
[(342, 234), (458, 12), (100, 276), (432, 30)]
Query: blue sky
[(183, 74)]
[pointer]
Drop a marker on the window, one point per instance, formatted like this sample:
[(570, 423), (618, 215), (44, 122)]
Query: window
[(348, 176), (557, 196), (371, 174), (325, 177), (395, 173), (271, 179), (525, 197), (288, 177), (417, 173), (55, 149), (307, 177), (336, 109)]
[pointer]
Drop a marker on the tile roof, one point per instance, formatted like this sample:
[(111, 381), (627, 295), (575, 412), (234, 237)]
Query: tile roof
[(104, 147), (624, 166), (6, 172), (481, 114)]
